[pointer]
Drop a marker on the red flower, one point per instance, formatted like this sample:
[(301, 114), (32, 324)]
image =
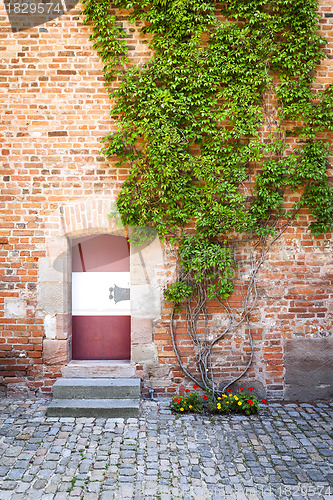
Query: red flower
[(251, 388), (205, 397), (187, 390), (250, 401), (229, 390), (264, 401), (195, 386), (176, 401), (242, 389)]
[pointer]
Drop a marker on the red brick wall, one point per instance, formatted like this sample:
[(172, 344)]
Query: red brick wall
[(54, 113)]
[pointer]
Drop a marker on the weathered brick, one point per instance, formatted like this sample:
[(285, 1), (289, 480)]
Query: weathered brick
[(55, 113)]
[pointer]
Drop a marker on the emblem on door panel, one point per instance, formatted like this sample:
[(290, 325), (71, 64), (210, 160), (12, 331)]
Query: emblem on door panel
[(118, 294)]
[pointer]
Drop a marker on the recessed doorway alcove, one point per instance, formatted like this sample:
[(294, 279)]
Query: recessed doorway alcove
[(101, 316)]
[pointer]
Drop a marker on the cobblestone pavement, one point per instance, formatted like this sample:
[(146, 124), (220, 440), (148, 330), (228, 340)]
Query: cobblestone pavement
[(284, 452)]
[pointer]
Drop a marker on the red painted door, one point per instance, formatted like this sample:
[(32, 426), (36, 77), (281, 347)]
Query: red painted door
[(100, 298)]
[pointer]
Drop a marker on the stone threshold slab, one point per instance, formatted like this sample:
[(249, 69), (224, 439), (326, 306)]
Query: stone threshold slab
[(97, 388), (99, 369)]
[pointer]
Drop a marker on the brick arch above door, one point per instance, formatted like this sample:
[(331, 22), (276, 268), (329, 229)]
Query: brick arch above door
[(90, 217)]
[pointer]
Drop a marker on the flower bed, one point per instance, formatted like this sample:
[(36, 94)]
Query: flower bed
[(243, 401)]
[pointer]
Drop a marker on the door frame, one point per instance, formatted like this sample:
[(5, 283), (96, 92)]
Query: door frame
[(148, 278)]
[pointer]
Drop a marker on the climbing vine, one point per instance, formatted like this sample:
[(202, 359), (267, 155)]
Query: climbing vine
[(218, 128)]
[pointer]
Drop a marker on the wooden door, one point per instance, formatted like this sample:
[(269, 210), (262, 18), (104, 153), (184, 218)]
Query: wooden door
[(101, 297)]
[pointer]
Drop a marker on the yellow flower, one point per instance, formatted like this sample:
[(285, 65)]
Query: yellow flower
[(236, 398), (224, 395), (230, 395), (190, 406), (219, 397), (218, 406), (227, 402), (182, 409), (240, 404)]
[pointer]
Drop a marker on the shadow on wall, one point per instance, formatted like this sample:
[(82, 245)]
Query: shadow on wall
[(137, 246)]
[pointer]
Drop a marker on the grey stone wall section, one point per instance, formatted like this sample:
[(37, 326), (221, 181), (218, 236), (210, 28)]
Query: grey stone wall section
[(308, 369)]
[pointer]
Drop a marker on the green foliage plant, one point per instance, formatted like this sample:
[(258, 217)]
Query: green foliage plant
[(218, 129), (191, 403), (243, 401)]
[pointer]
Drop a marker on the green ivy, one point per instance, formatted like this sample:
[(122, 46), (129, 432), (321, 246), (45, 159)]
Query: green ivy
[(108, 37), (190, 125), (177, 293)]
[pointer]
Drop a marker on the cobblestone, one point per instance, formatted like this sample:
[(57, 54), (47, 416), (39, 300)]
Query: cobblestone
[(284, 452)]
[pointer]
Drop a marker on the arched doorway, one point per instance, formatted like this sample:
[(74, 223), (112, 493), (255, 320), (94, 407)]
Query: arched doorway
[(101, 318)]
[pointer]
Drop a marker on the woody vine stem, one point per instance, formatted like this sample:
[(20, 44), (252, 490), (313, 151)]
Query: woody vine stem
[(220, 133)]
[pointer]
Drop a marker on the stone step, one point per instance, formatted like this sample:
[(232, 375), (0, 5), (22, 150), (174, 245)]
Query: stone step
[(97, 388), (98, 369), (96, 408)]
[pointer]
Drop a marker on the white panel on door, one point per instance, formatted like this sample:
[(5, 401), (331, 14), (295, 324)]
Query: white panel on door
[(91, 294)]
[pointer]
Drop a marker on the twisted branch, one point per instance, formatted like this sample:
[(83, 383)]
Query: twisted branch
[(203, 356)]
